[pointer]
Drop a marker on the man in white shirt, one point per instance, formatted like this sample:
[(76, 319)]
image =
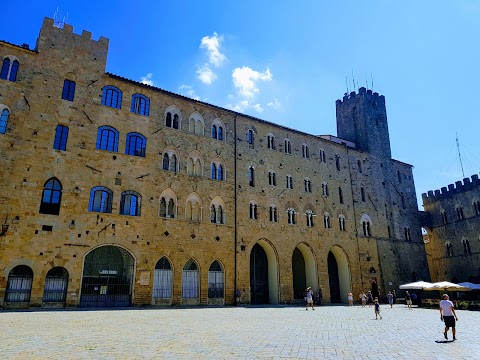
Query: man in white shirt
[(447, 314)]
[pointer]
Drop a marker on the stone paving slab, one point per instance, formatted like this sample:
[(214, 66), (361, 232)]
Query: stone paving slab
[(329, 332)]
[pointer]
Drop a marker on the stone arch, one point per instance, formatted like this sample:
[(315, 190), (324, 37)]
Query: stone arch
[(195, 164), (196, 124), (310, 267), (344, 276), (108, 277), (272, 260), (173, 110), (193, 207)]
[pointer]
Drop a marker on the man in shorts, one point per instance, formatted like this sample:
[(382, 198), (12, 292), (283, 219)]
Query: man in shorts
[(447, 314), (408, 300)]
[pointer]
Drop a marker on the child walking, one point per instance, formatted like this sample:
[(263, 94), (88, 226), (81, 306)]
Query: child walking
[(377, 310)]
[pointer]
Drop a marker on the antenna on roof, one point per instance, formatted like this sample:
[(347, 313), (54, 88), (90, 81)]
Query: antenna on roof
[(353, 77), (56, 19), (346, 82), (459, 155), (366, 81), (371, 76)]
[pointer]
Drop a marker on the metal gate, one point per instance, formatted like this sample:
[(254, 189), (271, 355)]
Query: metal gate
[(107, 279), (56, 282), (259, 275)]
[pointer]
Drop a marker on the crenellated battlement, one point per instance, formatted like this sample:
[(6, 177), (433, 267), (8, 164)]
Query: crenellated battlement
[(451, 189), (76, 52), (362, 92), (49, 28)]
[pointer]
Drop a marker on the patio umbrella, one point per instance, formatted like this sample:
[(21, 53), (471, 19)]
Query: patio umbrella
[(418, 285), (470, 285), (448, 286)]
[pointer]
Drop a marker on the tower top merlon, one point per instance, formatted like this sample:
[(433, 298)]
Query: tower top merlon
[(362, 92)]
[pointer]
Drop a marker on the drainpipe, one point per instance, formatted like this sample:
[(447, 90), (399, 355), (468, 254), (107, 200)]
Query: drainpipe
[(235, 203)]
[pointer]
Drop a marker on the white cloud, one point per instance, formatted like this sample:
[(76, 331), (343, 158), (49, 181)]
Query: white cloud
[(188, 91), (258, 108), (212, 44), (275, 104), (245, 80), (147, 79), (206, 75)]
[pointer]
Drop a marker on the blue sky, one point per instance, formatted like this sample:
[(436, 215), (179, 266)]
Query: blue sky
[(287, 62)]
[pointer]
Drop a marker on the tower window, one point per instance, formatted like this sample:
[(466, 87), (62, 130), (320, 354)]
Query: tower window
[(68, 92), (61, 136), (9, 70)]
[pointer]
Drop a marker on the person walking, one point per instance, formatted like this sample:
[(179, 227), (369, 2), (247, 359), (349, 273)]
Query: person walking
[(390, 299), (319, 297), (377, 310), (350, 298), (363, 299), (408, 300), (309, 298), (447, 315), (394, 296)]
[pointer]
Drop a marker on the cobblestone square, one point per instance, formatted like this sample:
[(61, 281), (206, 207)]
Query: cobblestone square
[(331, 332)]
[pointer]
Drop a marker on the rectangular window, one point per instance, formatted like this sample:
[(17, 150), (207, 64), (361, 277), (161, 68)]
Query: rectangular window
[(61, 136), (68, 90)]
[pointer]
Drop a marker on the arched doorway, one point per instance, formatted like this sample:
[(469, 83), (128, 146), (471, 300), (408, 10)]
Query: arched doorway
[(264, 287), (19, 285), (298, 273), (107, 279), (56, 281), (304, 270), (338, 275), (259, 275)]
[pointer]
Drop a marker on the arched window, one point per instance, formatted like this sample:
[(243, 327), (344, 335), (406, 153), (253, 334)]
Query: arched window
[(273, 213), (362, 194), (305, 151), (140, 104), (466, 246), (251, 176), (272, 178), (112, 97), (100, 199), (107, 139), (193, 208), (195, 124), (326, 221), (289, 181), (167, 204), (220, 172), (214, 132), (68, 92), (444, 217), (169, 162), (459, 211), (253, 211), (220, 133), (449, 249), (309, 217), (308, 185), (190, 276), (213, 172), (136, 144), (476, 203), (324, 189), (175, 121), (340, 195), (4, 121), (215, 281), (291, 216), (341, 222), (288, 147), (51, 197), (19, 284), (402, 200), (250, 137), (217, 215), (322, 156), (130, 203), (213, 214), (366, 228), (163, 279), (168, 120), (359, 164), (271, 141), (399, 176), (9, 69), (407, 233), (56, 281), (337, 162)]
